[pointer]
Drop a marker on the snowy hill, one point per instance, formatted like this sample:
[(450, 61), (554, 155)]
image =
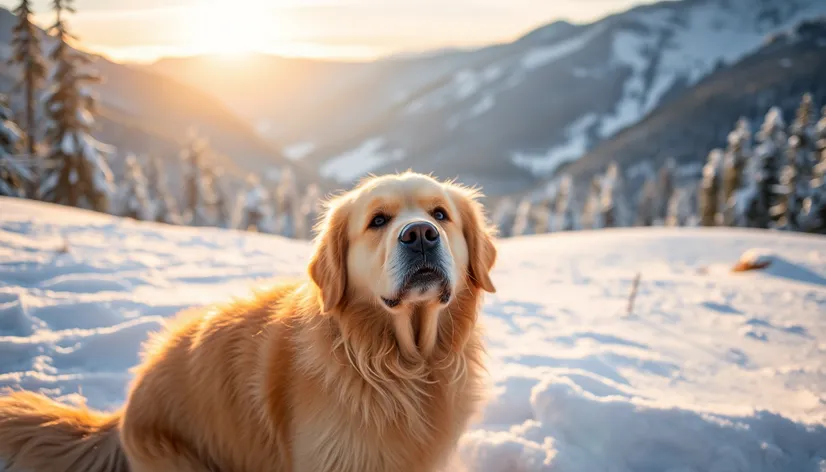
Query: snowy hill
[(508, 114), (713, 371)]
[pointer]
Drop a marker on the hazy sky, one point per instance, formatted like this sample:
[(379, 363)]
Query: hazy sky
[(142, 30)]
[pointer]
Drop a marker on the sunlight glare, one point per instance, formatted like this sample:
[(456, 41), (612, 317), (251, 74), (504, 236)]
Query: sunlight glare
[(216, 28)]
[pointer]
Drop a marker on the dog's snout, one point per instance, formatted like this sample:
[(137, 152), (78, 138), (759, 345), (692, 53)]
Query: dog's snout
[(419, 236)]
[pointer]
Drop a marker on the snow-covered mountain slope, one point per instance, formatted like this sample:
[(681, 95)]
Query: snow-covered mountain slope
[(711, 371), (688, 127), (509, 114)]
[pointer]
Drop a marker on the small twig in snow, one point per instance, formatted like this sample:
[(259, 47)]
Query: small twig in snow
[(64, 249), (633, 294)]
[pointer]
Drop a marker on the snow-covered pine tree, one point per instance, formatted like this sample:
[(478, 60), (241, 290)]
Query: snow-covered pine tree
[(164, 208), (15, 171), (754, 200), (796, 176), (522, 221), (710, 189), (27, 54), (592, 212), (503, 216), (613, 201), (198, 195), (133, 198), (679, 208), (286, 201), (309, 212), (542, 218), (737, 155), (76, 173), (820, 143), (664, 189), (221, 207), (813, 219), (647, 204), (565, 216), (256, 212)]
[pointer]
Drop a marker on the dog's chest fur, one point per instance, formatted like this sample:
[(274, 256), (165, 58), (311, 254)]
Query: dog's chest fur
[(353, 426)]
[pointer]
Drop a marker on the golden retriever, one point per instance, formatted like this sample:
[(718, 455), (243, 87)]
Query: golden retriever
[(374, 363)]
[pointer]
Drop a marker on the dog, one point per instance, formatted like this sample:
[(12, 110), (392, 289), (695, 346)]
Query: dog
[(374, 362)]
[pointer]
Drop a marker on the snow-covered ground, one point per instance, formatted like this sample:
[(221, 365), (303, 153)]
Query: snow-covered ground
[(713, 370)]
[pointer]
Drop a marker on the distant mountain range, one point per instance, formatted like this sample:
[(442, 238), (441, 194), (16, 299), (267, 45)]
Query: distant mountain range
[(505, 116)]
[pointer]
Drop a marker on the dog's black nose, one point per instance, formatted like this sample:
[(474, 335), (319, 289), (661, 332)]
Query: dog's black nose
[(419, 236)]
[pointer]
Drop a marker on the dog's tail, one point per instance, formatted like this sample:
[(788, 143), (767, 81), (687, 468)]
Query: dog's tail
[(38, 434)]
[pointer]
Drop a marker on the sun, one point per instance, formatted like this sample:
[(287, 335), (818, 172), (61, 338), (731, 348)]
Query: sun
[(223, 30)]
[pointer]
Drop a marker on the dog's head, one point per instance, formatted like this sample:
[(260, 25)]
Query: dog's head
[(402, 242)]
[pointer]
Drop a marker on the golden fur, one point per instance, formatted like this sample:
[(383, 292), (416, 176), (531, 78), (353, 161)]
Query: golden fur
[(305, 376)]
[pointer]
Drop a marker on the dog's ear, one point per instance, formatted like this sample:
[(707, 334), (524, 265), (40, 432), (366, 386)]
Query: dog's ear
[(328, 265), (479, 237)]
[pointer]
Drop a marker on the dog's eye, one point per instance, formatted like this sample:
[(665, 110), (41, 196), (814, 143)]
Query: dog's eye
[(378, 221), (440, 214)]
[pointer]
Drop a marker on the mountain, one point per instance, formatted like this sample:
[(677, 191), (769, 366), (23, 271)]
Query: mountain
[(144, 112), (504, 116), (788, 65)]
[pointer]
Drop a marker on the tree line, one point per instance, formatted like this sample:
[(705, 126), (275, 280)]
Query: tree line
[(773, 179)]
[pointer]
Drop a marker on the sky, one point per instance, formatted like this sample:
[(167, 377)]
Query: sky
[(144, 30)]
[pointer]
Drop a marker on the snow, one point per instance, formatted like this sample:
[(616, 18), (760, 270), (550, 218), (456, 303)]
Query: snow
[(485, 104), (298, 151), (360, 161), (628, 50), (573, 148), (712, 370), (544, 55)]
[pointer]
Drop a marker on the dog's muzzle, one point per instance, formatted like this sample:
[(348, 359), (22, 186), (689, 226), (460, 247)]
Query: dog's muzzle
[(421, 262)]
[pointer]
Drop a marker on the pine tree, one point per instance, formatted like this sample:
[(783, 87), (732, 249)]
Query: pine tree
[(164, 209), (664, 190), (541, 216), (710, 189), (796, 176), (309, 212), (565, 209), (503, 217), (26, 53), (256, 212), (813, 218), (77, 173), (221, 203), (286, 201), (613, 203), (679, 209), (737, 155), (648, 205), (591, 213), (820, 142), (15, 172), (133, 198), (522, 221), (198, 194), (754, 201)]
